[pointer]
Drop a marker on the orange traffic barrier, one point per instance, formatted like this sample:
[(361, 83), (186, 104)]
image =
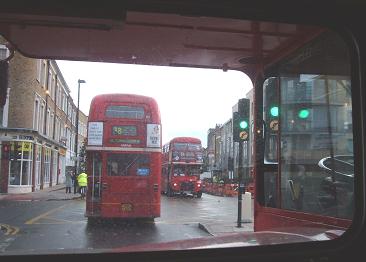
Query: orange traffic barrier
[(218, 189), (230, 190)]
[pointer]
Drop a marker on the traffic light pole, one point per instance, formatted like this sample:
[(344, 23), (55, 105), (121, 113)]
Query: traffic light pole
[(240, 182), (241, 134)]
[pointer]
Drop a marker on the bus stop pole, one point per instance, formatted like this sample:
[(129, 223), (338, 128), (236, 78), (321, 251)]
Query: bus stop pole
[(240, 182)]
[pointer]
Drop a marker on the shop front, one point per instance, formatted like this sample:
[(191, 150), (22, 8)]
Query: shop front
[(29, 162)]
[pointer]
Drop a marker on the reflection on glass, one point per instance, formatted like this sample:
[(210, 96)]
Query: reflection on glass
[(21, 159), (315, 112)]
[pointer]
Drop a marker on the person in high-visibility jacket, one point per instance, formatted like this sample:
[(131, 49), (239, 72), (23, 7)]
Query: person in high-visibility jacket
[(83, 182)]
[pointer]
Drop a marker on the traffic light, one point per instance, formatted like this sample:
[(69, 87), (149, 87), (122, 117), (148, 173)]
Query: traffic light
[(303, 113), (271, 104), (241, 121), (271, 99), (236, 127), (274, 111)]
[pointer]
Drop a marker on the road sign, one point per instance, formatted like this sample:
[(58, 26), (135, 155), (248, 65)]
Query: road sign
[(243, 135), (274, 125)]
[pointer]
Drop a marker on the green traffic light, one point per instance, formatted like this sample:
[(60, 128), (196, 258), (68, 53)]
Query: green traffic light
[(243, 124), (304, 113), (274, 111)]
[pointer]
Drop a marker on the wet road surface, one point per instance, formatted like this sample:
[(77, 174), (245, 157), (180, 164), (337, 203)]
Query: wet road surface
[(59, 226)]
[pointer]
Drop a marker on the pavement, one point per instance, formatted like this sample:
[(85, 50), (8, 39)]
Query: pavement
[(56, 192), (220, 229)]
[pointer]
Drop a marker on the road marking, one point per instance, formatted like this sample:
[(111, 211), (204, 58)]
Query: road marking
[(33, 220), (10, 230), (59, 221), (5, 244), (188, 235)]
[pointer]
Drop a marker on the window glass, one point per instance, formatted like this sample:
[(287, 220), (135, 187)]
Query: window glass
[(125, 112), (180, 146), (186, 170), (307, 114), (194, 147), (316, 160), (128, 164), (96, 174)]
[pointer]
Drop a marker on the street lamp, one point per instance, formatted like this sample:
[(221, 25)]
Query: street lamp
[(77, 128)]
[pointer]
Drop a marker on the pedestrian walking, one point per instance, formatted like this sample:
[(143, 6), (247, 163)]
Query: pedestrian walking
[(75, 182), (68, 182)]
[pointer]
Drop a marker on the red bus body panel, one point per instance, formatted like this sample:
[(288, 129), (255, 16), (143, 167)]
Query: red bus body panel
[(275, 219)]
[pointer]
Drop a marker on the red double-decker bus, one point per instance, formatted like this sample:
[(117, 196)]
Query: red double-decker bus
[(124, 157), (182, 166)]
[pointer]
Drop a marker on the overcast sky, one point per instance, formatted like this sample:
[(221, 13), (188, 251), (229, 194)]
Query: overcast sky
[(190, 100)]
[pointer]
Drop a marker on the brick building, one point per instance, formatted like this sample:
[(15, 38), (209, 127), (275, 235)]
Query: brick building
[(37, 126)]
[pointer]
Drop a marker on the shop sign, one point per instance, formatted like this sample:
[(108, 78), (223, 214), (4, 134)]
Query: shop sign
[(22, 137), (26, 146)]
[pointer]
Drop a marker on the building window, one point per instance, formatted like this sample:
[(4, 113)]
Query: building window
[(64, 103), (54, 166), (41, 119), (63, 130), (57, 129), (37, 168), (50, 125), (69, 111), (68, 135), (53, 87), (72, 139), (73, 117), (59, 95), (36, 114), (47, 165), (48, 122), (43, 73), (20, 169), (39, 66), (49, 83)]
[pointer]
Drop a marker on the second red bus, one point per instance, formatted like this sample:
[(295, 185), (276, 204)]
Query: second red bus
[(182, 166)]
